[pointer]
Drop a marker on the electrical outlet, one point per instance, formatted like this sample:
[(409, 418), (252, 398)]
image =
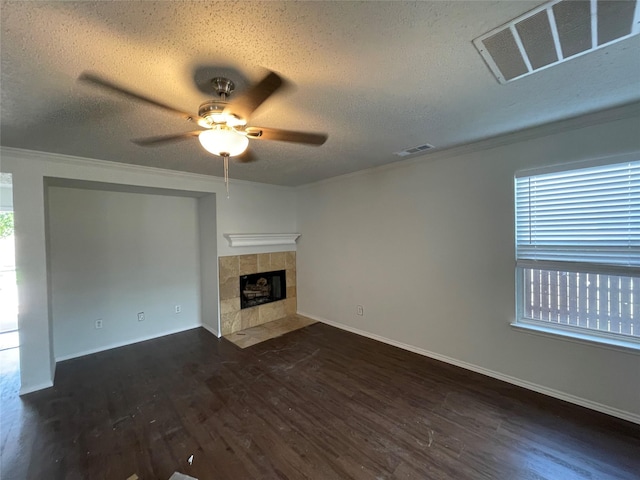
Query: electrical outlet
[(141, 316), (178, 308), (360, 310), (98, 323)]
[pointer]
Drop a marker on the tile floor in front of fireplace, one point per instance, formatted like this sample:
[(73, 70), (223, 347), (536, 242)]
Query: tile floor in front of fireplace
[(266, 331)]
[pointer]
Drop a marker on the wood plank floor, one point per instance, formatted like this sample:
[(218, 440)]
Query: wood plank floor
[(317, 403)]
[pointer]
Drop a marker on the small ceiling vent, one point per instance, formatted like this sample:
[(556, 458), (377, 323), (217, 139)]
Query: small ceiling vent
[(413, 150), (555, 32)]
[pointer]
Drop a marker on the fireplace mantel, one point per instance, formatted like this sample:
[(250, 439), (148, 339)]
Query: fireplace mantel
[(260, 239)]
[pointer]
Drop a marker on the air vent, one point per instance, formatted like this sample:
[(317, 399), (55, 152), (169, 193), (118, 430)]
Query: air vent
[(413, 150), (555, 32)]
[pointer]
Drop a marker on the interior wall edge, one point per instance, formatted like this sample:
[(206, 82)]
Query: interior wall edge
[(35, 388), (210, 330), (252, 206)]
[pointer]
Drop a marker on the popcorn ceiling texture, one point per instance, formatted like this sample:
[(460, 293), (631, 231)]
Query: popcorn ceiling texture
[(232, 318), (376, 76)]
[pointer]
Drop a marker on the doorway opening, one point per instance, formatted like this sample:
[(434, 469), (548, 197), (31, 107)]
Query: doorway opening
[(9, 339)]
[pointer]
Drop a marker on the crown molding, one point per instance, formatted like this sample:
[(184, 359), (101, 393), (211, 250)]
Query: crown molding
[(620, 112), (60, 158)]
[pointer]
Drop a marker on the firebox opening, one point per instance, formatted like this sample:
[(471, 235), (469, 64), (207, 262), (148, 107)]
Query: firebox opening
[(261, 288)]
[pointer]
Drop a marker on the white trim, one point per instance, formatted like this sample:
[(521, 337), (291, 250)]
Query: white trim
[(579, 164), (580, 267), (520, 45), (24, 154), (217, 294), (59, 158), (554, 33), (125, 343), (594, 24), (635, 26), (210, 329), (551, 128), (599, 407), (575, 335), (524, 16), (260, 239), (35, 388), (49, 384), (489, 61), (479, 41)]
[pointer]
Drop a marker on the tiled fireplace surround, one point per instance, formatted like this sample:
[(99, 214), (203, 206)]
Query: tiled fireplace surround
[(232, 318)]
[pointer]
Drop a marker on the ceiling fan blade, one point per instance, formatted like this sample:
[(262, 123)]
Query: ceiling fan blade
[(264, 133), (247, 102), (95, 80), (162, 139), (247, 157)]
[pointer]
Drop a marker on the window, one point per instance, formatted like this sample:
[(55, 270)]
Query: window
[(578, 250)]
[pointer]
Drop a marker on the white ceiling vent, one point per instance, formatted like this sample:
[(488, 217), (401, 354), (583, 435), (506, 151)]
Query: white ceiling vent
[(555, 32), (413, 150)]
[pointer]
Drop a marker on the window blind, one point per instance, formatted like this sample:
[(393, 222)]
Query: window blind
[(589, 215)]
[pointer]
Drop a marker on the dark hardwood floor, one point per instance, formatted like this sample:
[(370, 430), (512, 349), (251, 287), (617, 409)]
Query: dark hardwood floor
[(318, 403)]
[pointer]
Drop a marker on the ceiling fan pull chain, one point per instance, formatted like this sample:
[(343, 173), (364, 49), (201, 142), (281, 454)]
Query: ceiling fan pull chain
[(226, 173)]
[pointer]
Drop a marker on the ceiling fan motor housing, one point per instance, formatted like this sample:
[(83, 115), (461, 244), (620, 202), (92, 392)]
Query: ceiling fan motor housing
[(212, 111), (223, 86)]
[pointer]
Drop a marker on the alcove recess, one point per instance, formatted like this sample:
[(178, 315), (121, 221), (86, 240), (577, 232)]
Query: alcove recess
[(234, 319)]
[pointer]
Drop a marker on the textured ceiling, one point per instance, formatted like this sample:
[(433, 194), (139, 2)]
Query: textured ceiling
[(376, 76)]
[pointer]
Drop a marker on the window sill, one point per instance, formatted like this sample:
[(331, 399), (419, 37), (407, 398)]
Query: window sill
[(579, 337)]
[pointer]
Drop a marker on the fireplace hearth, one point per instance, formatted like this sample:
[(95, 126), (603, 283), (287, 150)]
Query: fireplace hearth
[(261, 288)]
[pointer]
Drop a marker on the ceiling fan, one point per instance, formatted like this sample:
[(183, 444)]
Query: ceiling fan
[(224, 131)]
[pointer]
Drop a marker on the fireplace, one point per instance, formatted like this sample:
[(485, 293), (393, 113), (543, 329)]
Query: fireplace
[(261, 288), (231, 271)]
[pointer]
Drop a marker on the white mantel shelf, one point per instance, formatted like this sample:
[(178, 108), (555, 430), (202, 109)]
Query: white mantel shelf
[(260, 239)]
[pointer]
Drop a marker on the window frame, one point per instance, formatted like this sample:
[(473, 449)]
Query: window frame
[(609, 340)]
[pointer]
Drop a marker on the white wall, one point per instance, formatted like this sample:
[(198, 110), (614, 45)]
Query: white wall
[(427, 247), (208, 264), (114, 254), (255, 208), (252, 208)]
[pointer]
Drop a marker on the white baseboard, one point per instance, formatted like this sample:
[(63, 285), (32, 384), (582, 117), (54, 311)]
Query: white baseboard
[(35, 388), (210, 329), (125, 343), (614, 412)]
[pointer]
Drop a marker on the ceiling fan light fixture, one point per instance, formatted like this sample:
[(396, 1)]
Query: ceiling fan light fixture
[(223, 140)]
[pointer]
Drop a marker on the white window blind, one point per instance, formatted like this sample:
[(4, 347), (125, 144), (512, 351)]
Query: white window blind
[(586, 216)]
